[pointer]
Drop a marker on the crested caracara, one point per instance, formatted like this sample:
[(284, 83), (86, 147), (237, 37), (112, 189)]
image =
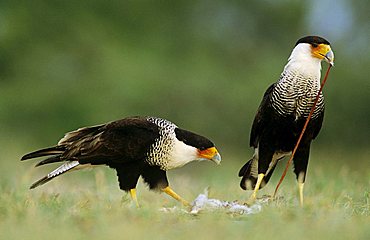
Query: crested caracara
[(134, 147), (282, 113)]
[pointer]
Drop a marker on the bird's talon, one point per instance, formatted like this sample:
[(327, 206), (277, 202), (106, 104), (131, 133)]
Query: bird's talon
[(186, 203)]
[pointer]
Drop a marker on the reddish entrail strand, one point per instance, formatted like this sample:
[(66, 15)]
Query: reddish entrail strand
[(303, 130)]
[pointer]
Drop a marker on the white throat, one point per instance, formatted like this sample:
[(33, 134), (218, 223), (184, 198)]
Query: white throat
[(302, 62), (181, 154), (299, 84)]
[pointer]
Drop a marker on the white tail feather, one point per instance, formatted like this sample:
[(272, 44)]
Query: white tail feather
[(63, 168)]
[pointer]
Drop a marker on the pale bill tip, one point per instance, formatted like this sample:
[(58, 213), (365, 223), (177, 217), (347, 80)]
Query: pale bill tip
[(329, 57), (217, 159)]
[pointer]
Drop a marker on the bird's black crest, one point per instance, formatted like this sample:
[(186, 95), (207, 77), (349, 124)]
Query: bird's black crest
[(193, 139), (313, 40)]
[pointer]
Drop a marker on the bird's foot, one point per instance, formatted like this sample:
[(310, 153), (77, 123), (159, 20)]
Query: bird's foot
[(134, 197), (252, 199), (170, 192)]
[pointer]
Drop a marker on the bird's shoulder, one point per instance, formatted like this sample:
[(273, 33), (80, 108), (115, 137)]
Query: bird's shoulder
[(131, 129), (125, 125), (131, 124)]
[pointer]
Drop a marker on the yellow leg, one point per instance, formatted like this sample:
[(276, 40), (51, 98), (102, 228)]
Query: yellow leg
[(300, 188), (300, 180), (133, 196), (258, 184), (170, 192)]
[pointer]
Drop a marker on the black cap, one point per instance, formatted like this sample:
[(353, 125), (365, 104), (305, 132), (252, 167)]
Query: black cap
[(313, 40)]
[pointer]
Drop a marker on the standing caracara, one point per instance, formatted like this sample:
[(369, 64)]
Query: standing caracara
[(282, 114), (135, 146)]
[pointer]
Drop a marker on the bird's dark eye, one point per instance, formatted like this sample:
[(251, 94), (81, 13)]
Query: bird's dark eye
[(314, 45)]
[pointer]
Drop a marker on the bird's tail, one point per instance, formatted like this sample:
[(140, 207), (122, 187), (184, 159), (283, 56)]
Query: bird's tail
[(55, 150), (60, 170), (55, 154), (249, 174)]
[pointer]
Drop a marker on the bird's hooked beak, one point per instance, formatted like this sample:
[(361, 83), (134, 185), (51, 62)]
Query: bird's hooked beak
[(210, 154), (323, 51), (216, 159), (329, 57)]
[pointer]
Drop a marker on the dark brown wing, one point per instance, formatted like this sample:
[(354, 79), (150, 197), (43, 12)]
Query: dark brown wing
[(261, 117), (124, 140), (317, 124)]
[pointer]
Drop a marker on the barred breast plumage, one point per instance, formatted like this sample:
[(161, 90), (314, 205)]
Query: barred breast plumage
[(294, 94), (159, 153)]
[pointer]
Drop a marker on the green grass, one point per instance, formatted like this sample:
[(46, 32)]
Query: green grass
[(89, 205)]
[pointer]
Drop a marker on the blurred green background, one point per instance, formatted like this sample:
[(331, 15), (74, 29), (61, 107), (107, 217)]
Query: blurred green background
[(201, 64)]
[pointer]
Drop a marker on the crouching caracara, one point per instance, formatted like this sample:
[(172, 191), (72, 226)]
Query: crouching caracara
[(282, 114), (135, 146)]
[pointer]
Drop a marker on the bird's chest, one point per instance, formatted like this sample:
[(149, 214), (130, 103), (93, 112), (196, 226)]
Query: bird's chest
[(169, 153), (295, 96), (160, 153)]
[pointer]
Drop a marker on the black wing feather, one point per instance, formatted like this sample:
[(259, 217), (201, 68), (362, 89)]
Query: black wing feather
[(260, 118), (317, 124), (124, 140), (44, 152)]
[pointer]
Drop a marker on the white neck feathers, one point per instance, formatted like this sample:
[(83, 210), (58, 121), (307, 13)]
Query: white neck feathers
[(302, 62), (181, 154)]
